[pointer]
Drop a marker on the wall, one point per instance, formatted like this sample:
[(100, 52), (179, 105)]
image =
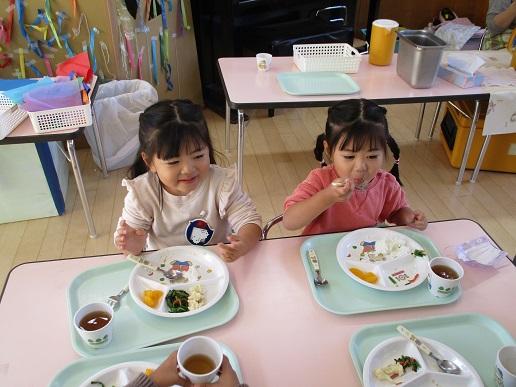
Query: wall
[(417, 14), (102, 14)]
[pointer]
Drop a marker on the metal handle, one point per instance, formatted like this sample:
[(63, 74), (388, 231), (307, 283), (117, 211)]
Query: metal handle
[(313, 259), (141, 261), (412, 337), (123, 291)]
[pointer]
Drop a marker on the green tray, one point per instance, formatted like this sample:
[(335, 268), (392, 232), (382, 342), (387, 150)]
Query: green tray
[(335, 297), (317, 83), (135, 328), (76, 373), (473, 335)]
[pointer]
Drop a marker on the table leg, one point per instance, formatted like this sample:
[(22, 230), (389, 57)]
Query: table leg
[(434, 120), (98, 141), (420, 120), (227, 132), (80, 187), (240, 146), (480, 159), (467, 149)]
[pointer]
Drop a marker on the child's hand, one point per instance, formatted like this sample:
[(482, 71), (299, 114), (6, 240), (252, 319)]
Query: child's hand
[(234, 249), (167, 374), (129, 240), (342, 189), (418, 221)]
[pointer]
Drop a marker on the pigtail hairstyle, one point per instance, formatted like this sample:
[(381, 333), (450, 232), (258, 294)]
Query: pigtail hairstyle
[(168, 127), (359, 120)]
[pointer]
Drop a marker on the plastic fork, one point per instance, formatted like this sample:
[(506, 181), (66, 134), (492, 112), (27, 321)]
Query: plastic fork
[(114, 301)]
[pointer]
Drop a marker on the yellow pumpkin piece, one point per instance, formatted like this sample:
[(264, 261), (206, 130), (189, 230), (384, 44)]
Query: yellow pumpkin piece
[(366, 276), (151, 297), (149, 371)]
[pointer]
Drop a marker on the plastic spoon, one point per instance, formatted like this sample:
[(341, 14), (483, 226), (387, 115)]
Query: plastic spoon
[(447, 366), (171, 274)]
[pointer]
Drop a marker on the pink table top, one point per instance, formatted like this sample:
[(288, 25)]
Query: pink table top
[(281, 335), (246, 87)]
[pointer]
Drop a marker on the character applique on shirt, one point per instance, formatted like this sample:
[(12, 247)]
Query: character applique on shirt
[(198, 231)]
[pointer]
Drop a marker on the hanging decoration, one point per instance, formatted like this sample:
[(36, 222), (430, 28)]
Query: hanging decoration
[(164, 48), (51, 23), (5, 60), (105, 56), (32, 65), (21, 56), (155, 78), (140, 62), (9, 25), (93, 58), (65, 38)]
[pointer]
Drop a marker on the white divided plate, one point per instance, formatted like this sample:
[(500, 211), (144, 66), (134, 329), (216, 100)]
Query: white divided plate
[(199, 265), (120, 374), (386, 253), (428, 375)]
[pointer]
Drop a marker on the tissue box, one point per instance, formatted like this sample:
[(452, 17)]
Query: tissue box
[(459, 78)]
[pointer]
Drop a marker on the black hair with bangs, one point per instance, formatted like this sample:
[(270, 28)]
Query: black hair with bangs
[(167, 128), (362, 123)]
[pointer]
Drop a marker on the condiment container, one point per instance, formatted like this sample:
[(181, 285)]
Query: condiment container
[(419, 57)]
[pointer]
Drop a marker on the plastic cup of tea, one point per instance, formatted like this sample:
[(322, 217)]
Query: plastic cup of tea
[(444, 276), (263, 61), (505, 371), (199, 359), (94, 323)]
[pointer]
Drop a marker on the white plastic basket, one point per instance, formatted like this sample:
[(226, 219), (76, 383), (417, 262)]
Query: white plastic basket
[(5, 102), (327, 57), (10, 119), (53, 120)]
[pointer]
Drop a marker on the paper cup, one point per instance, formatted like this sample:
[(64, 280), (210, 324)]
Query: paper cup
[(444, 287), (200, 345), (99, 338), (263, 61), (505, 370)]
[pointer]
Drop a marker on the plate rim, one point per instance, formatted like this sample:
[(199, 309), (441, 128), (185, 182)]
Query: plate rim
[(432, 342), (370, 285), (114, 367), (155, 312)]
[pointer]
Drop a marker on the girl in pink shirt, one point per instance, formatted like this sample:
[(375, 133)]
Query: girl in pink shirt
[(353, 191)]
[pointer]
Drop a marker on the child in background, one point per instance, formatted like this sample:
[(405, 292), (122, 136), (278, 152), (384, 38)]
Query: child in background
[(353, 191), (176, 193)]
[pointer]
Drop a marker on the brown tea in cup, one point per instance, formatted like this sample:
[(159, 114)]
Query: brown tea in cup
[(199, 364), (444, 271), (95, 320)]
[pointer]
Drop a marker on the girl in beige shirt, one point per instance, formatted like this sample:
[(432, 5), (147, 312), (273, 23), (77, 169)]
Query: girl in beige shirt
[(176, 193)]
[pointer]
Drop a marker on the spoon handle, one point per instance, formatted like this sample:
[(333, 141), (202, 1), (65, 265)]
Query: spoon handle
[(141, 261), (412, 337), (313, 259)]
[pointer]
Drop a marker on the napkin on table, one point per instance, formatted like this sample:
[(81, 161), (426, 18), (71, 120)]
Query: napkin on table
[(482, 251)]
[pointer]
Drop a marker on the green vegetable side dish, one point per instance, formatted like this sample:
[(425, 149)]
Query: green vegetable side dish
[(177, 301), (419, 253), (408, 362)]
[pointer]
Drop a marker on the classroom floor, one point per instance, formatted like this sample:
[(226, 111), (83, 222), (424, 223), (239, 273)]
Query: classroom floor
[(278, 155)]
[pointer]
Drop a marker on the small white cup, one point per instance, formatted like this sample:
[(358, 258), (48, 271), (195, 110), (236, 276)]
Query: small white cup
[(505, 371), (263, 61), (101, 337), (443, 287), (200, 345)]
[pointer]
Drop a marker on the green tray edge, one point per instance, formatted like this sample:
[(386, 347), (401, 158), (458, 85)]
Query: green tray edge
[(422, 239), (505, 336), (67, 375), (79, 346)]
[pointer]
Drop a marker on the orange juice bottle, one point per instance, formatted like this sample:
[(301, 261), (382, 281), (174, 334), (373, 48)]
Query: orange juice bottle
[(383, 39)]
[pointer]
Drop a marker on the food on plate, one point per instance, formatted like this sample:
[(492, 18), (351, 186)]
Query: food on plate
[(408, 362), (390, 372), (180, 301), (196, 297), (366, 276), (148, 371), (151, 297), (419, 253), (381, 250)]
